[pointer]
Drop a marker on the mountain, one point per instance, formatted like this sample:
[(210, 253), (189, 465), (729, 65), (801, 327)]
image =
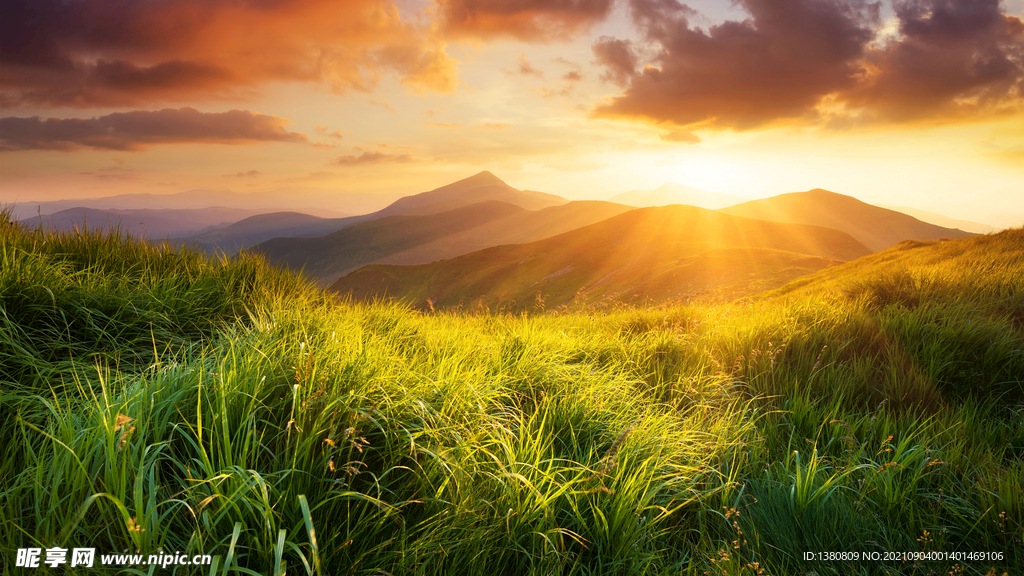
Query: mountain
[(477, 188), (944, 221), (673, 193), (262, 227), (254, 203), (408, 239), (145, 223), (644, 255), (877, 228)]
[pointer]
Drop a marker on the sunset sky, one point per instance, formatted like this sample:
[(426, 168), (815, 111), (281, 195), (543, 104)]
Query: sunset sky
[(350, 104)]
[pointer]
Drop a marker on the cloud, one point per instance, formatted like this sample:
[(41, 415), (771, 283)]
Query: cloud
[(572, 76), (528, 20), (446, 125), (139, 129), (956, 58), (324, 131), (246, 174), (371, 158), (618, 58), (816, 62), (681, 136), (524, 68), (776, 65), (494, 125), (100, 53)]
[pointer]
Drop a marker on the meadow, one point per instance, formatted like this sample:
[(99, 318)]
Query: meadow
[(157, 399)]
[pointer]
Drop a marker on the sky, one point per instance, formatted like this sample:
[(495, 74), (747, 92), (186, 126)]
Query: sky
[(349, 105)]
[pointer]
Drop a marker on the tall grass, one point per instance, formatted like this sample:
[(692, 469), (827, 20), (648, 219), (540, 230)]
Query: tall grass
[(159, 400)]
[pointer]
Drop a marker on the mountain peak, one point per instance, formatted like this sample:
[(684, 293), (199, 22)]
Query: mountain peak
[(484, 178)]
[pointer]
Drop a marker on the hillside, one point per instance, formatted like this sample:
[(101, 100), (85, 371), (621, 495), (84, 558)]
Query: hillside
[(260, 228), (143, 223), (648, 254), (420, 239), (944, 221), (162, 400), (875, 227), (673, 193)]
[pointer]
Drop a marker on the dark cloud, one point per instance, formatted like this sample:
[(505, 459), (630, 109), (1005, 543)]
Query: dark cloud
[(776, 65), (121, 52), (371, 158), (618, 58), (953, 59), (139, 129), (572, 76), (530, 20), (247, 174)]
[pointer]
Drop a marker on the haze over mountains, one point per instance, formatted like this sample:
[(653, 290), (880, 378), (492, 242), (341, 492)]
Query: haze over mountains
[(944, 221), (258, 202), (155, 224), (673, 193), (407, 239), (648, 254)]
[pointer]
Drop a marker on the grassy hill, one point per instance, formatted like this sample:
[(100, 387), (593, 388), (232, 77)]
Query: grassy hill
[(420, 239), (159, 400), (877, 228), (645, 255)]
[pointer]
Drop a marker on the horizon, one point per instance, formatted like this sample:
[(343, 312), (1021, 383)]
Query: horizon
[(585, 101)]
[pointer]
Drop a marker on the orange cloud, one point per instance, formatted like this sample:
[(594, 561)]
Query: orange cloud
[(371, 158), (139, 129), (99, 53), (530, 20)]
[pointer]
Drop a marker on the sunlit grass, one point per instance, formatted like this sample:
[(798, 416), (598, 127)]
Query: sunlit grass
[(158, 400)]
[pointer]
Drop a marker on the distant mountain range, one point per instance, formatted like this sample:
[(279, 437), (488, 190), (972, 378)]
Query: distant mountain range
[(408, 239), (482, 187), (673, 193), (644, 255), (254, 203), (878, 228), (481, 242), (144, 223)]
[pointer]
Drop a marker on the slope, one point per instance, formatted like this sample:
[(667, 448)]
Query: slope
[(418, 239), (877, 228), (944, 221), (649, 254)]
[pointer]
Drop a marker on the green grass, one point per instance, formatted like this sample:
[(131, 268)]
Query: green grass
[(159, 400)]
